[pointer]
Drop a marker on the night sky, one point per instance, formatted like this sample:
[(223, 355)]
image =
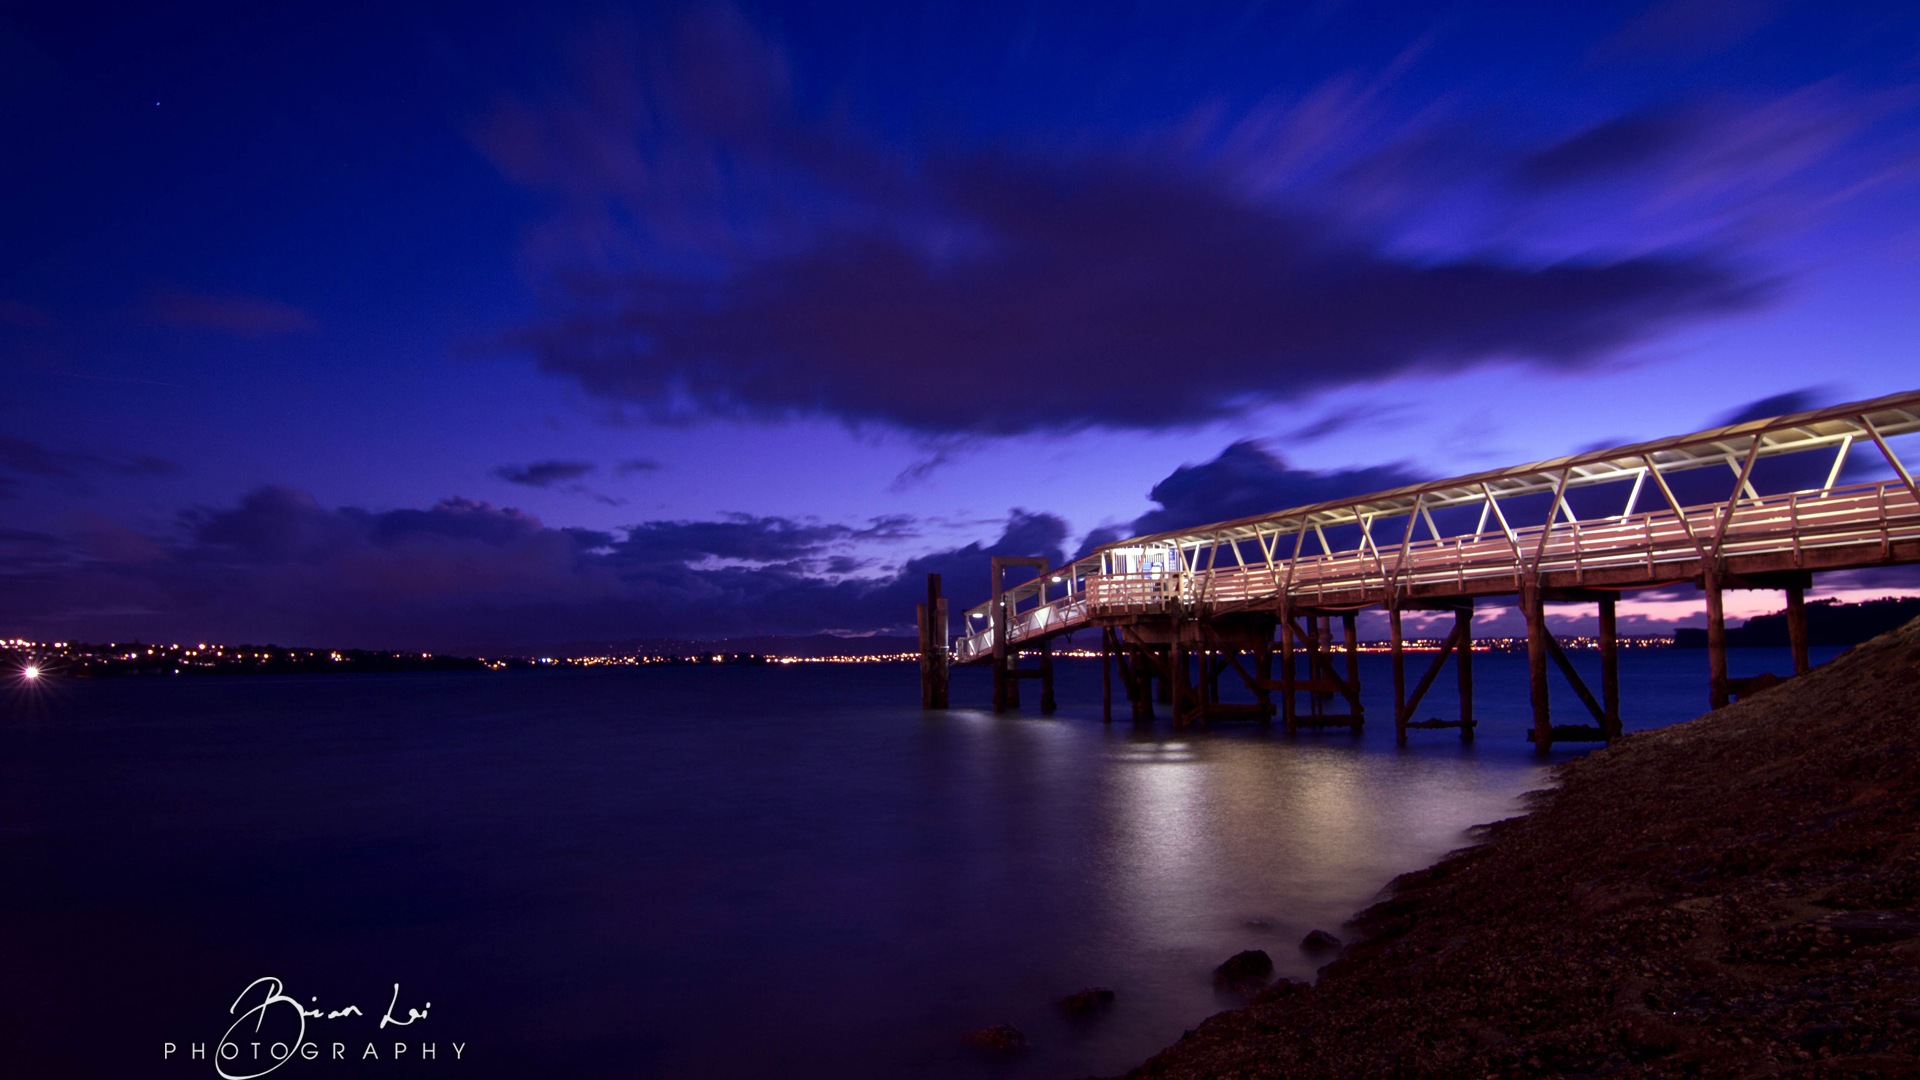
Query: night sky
[(478, 327)]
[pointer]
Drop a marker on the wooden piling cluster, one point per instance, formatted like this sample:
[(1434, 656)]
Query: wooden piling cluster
[(1722, 686), (1007, 671), (1458, 643), (1543, 647), (1180, 661)]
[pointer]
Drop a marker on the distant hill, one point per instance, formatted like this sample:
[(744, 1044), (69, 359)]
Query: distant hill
[(1829, 622), (812, 645)]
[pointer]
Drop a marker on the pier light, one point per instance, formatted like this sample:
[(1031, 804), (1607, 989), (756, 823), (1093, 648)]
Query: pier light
[(30, 672)]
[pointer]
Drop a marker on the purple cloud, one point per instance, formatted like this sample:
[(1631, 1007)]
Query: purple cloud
[(240, 316), (1791, 401), (1109, 279), (965, 570), (1688, 28), (717, 252), (21, 458), (1248, 479), (542, 474), (739, 537), (1612, 148), (468, 576)]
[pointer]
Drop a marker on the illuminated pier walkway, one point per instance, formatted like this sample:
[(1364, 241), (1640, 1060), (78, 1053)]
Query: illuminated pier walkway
[(1756, 505)]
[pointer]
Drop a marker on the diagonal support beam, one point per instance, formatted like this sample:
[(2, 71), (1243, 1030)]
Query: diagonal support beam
[(1433, 672), (1733, 500), (1565, 665), (1674, 504), (1887, 452)]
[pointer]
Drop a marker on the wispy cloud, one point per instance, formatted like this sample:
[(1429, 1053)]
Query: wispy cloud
[(70, 469), (543, 474), (228, 313)]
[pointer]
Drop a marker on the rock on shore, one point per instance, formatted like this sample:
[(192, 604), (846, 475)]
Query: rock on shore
[(1734, 896)]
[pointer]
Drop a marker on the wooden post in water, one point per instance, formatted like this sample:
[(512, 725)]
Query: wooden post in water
[(1047, 703), (1609, 668), (1322, 665), (1797, 627), (1399, 675), (1177, 677), (933, 647), (1348, 622), (1718, 690), (1106, 675), (1463, 622), (1533, 607), (1263, 678), (1287, 671), (1142, 693), (1006, 658), (1003, 682)]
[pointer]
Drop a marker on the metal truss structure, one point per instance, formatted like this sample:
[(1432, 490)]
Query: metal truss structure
[(1582, 527)]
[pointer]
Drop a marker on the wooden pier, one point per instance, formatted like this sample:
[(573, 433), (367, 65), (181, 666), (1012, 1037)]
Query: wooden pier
[(1178, 612)]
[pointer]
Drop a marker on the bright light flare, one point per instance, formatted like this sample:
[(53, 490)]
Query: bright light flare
[(30, 672)]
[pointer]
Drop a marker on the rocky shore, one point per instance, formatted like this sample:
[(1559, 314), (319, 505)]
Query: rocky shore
[(1734, 896)]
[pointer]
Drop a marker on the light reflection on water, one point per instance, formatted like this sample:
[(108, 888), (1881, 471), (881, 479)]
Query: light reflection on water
[(699, 872)]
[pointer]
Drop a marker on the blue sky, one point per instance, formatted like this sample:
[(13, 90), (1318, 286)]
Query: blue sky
[(466, 326)]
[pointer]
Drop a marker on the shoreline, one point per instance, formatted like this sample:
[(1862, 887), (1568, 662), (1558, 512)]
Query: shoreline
[(1735, 895)]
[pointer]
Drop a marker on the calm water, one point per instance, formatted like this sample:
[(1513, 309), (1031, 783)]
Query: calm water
[(694, 871)]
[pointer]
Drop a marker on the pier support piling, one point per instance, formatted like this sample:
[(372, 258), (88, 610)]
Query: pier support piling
[(1263, 678), (1006, 676), (933, 647), (1718, 689), (1177, 679), (1534, 609), (1142, 684), (1320, 668), (1609, 669), (1399, 676), (1350, 624), (1797, 627), (1003, 682), (1287, 672), (1047, 704), (1463, 625), (1106, 675)]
